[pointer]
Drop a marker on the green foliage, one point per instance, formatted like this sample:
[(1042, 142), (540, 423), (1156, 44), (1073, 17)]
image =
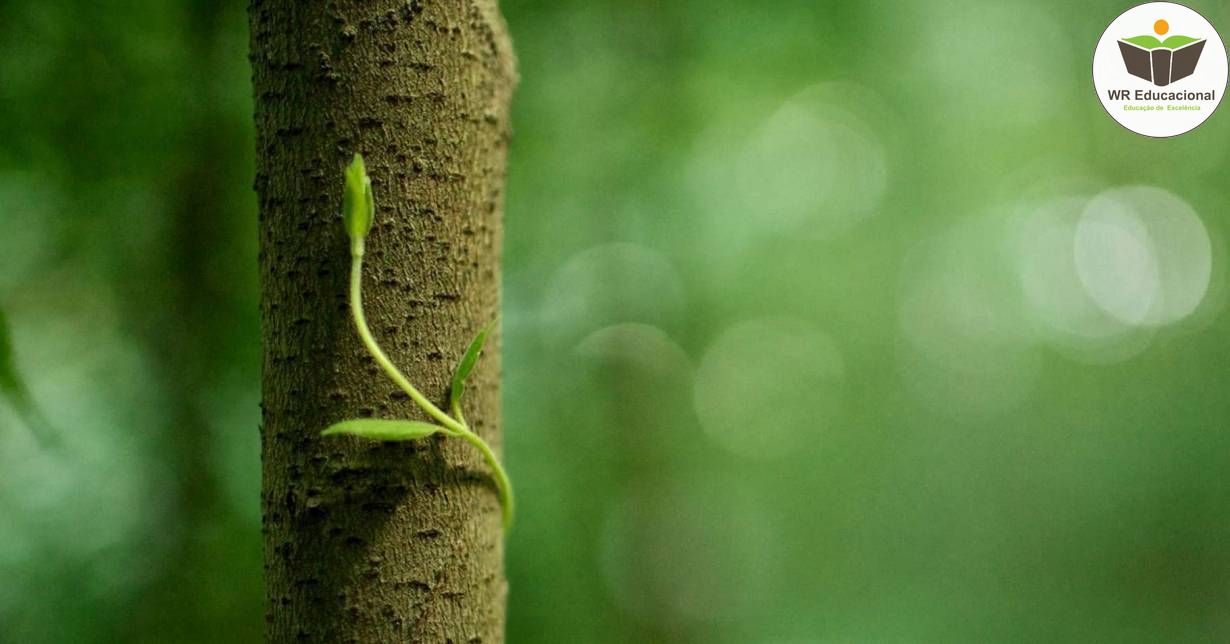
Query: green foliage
[(383, 430), (465, 366)]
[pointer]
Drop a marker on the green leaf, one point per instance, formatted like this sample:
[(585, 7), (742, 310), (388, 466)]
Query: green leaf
[(383, 430), (358, 204), (466, 365)]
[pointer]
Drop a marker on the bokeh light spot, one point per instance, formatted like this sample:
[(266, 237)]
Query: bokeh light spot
[(767, 386), (638, 345), (610, 284), (812, 163), (1066, 316), (1143, 255)]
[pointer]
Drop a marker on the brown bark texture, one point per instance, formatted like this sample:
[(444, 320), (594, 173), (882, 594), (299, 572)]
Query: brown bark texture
[(379, 542)]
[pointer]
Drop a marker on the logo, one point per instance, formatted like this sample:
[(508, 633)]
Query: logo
[(1190, 64), (1161, 62)]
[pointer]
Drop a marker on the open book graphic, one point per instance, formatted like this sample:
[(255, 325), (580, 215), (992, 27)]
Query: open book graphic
[(1161, 62)]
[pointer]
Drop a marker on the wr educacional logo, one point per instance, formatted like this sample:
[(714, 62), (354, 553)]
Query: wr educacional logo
[(1161, 62), (1181, 61)]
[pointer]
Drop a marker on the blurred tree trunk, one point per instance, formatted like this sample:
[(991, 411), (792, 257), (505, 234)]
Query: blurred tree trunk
[(373, 542), (189, 335)]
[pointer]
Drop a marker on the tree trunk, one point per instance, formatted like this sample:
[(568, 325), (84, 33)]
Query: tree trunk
[(371, 542)]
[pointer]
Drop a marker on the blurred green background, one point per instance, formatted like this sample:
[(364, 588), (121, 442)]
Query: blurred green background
[(853, 322)]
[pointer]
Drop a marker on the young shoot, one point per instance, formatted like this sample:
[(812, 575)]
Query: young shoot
[(358, 210)]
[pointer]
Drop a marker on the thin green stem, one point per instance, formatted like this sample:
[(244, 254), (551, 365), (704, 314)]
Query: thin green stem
[(502, 482), (454, 426), (365, 334)]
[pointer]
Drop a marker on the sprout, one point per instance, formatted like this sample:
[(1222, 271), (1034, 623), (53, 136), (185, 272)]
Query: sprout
[(358, 205), (358, 209)]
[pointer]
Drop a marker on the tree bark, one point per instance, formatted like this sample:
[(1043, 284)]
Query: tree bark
[(370, 542)]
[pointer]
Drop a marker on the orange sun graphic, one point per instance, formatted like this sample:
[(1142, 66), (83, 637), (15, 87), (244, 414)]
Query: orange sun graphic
[(1161, 27)]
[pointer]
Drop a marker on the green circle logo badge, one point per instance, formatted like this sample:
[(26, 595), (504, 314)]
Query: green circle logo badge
[(1160, 69)]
